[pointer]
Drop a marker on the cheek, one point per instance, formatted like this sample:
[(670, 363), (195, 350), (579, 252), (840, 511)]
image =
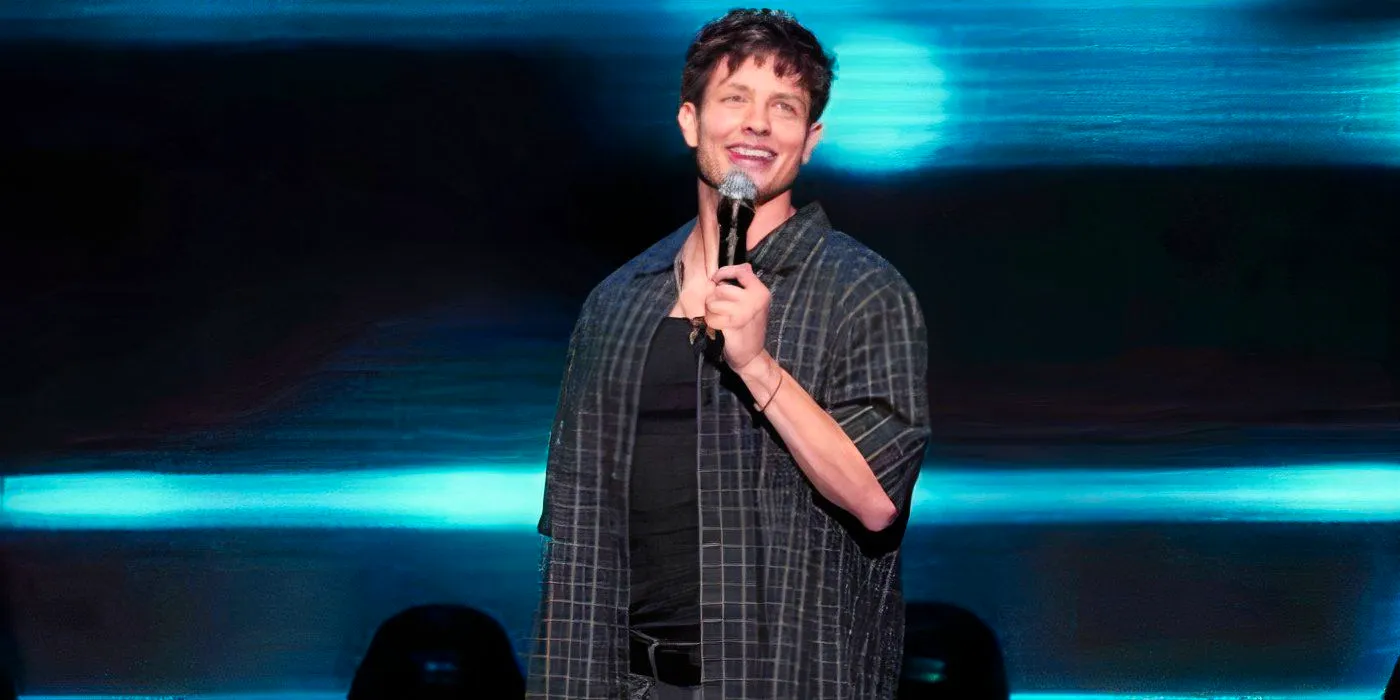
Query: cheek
[(720, 123), (715, 135), (799, 152)]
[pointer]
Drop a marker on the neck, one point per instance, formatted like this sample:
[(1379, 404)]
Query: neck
[(703, 244)]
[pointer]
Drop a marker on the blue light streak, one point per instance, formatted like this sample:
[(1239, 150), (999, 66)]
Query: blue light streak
[(476, 499), (930, 84), (1353, 695), (331, 695), (1321, 493), (888, 106), (508, 498)]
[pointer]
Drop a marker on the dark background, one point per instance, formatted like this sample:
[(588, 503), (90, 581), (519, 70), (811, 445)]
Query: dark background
[(177, 218), (192, 232)]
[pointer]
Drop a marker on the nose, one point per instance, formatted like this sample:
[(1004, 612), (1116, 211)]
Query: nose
[(756, 121)]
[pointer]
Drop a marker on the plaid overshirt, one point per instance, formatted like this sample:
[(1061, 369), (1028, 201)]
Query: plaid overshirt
[(797, 600)]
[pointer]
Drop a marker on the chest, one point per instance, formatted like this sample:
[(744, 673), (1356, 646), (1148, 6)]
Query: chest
[(690, 302), (800, 331)]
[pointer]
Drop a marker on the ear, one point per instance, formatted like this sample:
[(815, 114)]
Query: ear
[(689, 119), (814, 135)]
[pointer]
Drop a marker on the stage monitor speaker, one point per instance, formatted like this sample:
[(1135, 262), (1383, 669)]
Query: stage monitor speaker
[(439, 652), (950, 654)]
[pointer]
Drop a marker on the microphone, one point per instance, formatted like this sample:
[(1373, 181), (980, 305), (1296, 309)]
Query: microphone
[(736, 208)]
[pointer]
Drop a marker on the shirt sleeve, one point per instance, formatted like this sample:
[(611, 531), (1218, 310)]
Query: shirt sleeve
[(879, 384), (562, 415)]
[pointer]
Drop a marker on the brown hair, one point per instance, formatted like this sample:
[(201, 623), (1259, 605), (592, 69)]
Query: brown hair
[(765, 35)]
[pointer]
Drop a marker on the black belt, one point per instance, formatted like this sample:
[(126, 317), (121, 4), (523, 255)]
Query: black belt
[(671, 663)]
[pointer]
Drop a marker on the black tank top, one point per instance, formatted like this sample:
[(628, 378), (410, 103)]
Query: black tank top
[(664, 522)]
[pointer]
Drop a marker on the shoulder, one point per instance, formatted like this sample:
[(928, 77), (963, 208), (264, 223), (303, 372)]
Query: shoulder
[(861, 274), (656, 259)]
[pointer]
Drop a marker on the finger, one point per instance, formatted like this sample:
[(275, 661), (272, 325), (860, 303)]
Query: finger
[(727, 292), (743, 274), (727, 308)]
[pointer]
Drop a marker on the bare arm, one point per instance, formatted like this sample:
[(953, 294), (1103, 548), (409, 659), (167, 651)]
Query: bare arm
[(862, 444), (822, 450)]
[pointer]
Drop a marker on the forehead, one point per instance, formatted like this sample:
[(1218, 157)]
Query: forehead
[(756, 73)]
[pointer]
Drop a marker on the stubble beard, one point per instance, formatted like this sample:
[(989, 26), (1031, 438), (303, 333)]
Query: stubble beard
[(712, 173)]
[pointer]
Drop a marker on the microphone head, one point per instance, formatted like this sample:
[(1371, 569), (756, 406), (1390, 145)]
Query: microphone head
[(738, 185)]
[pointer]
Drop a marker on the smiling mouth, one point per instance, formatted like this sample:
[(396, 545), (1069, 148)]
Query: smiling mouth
[(750, 154)]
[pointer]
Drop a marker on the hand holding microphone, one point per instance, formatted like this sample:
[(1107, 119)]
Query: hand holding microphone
[(739, 302), (735, 212)]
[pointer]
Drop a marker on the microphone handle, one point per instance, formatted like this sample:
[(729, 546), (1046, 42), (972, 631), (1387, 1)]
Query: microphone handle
[(735, 215)]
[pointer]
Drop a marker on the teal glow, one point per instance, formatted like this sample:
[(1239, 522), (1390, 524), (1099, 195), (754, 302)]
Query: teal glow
[(887, 110), (504, 498), (946, 83), (1323, 493), (477, 499), (330, 695), (1353, 695)]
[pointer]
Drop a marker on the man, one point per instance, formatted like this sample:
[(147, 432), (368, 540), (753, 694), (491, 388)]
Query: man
[(727, 525)]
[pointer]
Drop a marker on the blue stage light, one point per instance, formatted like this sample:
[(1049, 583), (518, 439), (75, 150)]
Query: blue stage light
[(945, 84), (509, 498), (887, 109), (1304, 493), (482, 498), (332, 695)]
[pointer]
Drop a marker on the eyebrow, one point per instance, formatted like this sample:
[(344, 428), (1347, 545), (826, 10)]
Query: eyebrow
[(777, 95), (791, 96)]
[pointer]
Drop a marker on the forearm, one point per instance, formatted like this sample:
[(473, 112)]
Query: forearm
[(822, 450)]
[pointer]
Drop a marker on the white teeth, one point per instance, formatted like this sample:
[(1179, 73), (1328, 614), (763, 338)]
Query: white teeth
[(752, 153)]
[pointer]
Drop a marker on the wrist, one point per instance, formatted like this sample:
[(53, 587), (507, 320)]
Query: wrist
[(760, 374)]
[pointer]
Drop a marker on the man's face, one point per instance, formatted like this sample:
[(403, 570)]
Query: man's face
[(754, 120)]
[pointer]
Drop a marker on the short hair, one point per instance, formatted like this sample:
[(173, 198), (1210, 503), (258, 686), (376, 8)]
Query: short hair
[(765, 35)]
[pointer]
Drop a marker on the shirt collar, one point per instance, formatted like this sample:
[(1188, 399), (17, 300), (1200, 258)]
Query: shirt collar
[(777, 253)]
